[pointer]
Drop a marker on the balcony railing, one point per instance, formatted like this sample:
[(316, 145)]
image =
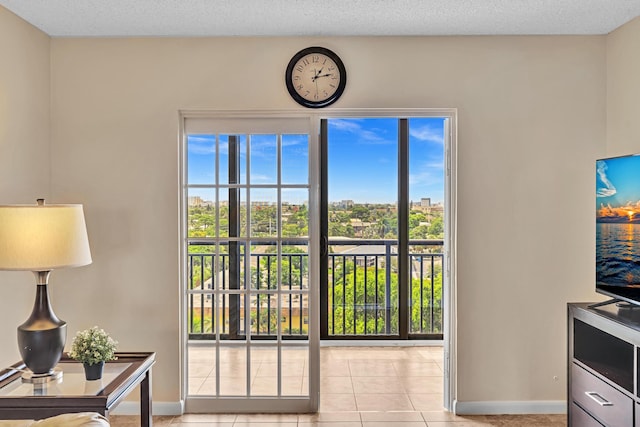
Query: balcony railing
[(362, 290)]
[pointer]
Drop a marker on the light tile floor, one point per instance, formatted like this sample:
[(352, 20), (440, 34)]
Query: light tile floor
[(364, 387)]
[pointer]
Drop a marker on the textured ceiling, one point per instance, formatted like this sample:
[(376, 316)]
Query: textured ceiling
[(116, 18)]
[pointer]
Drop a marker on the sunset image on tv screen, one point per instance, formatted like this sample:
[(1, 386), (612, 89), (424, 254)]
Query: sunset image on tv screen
[(617, 221)]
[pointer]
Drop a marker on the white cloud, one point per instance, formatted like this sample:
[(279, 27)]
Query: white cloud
[(292, 140), (257, 178), (425, 177), (365, 136), (427, 133), (201, 145), (348, 125), (604, 187), (427, 173)]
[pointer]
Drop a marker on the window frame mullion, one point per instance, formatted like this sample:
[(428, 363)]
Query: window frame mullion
[(404, 279), (324, 229)]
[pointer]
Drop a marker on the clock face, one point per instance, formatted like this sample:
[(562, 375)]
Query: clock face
[(315, 77)]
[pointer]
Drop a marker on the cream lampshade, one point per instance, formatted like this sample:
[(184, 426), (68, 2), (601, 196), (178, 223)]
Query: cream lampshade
[(41, 238)]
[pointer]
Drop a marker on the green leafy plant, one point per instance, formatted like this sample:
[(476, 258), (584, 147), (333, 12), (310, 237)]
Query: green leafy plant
[(93, 346)]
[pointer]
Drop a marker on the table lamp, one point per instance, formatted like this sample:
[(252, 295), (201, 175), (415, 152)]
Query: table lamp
[(41, 238)]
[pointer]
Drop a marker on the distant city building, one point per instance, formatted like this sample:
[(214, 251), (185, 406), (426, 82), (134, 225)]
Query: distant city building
[(427, 207), (196, 201), (359, 226), (296, 203), (261, 203), (344, 204), (438, 208)]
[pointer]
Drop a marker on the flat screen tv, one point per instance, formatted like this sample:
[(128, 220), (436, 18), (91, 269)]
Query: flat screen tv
[(618, 228)]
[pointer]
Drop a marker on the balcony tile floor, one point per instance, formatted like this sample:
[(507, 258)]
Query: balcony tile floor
[(363, 387)]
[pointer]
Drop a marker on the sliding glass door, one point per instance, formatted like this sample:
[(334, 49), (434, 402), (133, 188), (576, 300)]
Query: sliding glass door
[(299, 226), (251, 282), (383, 188)]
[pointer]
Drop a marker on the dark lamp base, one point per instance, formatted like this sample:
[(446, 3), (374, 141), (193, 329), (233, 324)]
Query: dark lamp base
[(41, 338)]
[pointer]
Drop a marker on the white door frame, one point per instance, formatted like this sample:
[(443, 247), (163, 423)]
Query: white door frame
[(449, 279), (194, 122), (450, 221)]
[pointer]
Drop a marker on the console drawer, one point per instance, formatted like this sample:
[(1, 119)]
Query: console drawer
[(579, 418), (599, 399)]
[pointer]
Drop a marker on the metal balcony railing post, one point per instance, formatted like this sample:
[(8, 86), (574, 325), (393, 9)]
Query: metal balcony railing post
[(333, 295), (377, 302), (355, 295), (365, 303), (432, 301), (202, 295), (387, 287), (191, 287)]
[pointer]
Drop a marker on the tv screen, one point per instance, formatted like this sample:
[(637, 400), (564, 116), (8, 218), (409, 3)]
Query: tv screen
[(618, 228)]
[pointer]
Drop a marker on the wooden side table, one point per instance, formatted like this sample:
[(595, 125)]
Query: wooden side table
[(72, 393)]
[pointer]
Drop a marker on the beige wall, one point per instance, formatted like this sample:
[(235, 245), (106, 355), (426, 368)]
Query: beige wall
[(623, 90), (533, 116), (531, 123), (24, 153)]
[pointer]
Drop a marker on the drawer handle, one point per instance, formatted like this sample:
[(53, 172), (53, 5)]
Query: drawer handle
[(598, 399)]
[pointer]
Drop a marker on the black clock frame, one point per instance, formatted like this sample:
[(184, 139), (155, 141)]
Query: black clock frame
[(289, 80)]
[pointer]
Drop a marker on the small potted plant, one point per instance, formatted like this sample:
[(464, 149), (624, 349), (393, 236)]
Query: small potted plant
[(93, 347)]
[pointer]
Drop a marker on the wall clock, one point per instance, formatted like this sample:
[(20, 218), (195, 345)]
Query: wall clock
[(315, 77)]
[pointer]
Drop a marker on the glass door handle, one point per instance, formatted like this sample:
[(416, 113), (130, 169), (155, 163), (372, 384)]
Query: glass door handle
[(324, 246)]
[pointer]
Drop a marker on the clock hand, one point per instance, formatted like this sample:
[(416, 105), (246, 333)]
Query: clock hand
[(317, 74)]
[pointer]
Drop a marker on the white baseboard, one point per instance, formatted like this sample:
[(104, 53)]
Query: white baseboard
[(510, 407), (459, 408), (157, 408), (381, 343)]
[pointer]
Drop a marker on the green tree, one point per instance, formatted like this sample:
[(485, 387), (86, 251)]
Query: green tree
[(436, 229), (360, 212), (359, 299), (419, 232), (415, 218), (422, 305), (342, 230)]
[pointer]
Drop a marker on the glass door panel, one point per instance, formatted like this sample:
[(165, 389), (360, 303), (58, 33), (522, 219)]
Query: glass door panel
[(384, 211), (247, 269), (362, 200), (426, 224)]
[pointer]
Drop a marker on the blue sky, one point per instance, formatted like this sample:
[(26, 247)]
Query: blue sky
[(362, 161), (618, 188)]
